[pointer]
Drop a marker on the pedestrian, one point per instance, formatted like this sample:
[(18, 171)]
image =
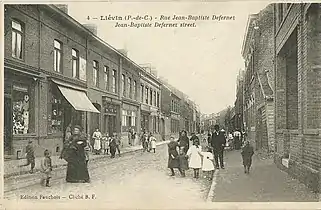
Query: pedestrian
[(247, 153), (68, 132), (218, 143), (207, 163), (118, 143), (209, 136), (46, 168), (149, 142), (183, 161), (105, 144), (77, 171), (97, 141), (153, 143), (87, 150), (133, 137), (112, 146), (237, 140), (183, 140), (231, 141), (195, 158), (30, 156), (173, 161)]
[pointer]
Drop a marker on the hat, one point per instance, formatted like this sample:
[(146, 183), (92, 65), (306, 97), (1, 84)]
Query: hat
[(222, 130)]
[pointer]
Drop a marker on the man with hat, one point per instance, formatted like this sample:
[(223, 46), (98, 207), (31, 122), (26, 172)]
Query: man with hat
[(218, 143)]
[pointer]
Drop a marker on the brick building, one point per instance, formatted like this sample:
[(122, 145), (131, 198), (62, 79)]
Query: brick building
[(257, 52), (42, 92), (298, 90), (238, 105), (151, 103)]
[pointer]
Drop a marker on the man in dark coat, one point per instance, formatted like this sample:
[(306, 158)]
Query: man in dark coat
[(218, 142)]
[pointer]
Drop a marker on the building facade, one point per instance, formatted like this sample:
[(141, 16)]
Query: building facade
[(151, 118), (238, 105), (258, 93), (298, 90), (42, 90)]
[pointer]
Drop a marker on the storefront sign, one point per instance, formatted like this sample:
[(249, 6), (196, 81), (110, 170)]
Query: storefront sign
[(110, 108)]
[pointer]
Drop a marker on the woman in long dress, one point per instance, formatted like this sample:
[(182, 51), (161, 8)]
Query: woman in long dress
[(173, 161), (77, 171), (183, 141), (97, 141)]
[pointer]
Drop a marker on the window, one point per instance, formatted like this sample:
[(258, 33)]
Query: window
[(75, 63), (124, 119), (22, 109), (56, 110), (114, 89), (146, 95), (133, 123), (151, 97), (95, 73), (129, 81), (157, 99), (106, 77), (142, 93), (57, 56), (135, 90), (17, 39), (154, 98), (123, 84)]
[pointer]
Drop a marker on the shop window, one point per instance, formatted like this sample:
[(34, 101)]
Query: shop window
[(57, 56), (124, 119), (114, 89), (134, 118), (23, 109), (56, 110), (106, 77), (75, 63), (96, 73), (17, 39)]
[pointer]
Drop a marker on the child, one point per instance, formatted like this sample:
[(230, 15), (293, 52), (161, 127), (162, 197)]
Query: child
[(105, 144), (208, 165), (183, 162), (46, 167), (30, 155), (87, 150), (153, 143), (247, 153), (195, 159)]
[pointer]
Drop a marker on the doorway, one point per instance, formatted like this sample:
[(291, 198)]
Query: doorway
[(7, 136), (109, 125)]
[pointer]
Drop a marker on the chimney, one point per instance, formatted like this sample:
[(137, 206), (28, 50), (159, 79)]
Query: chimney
[(62, 7), (123, 51), (92, 28)]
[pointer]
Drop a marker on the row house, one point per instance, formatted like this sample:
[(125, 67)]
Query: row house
[(45, 77), (258, 104), (151, 118), (298, 91), (238, 105)]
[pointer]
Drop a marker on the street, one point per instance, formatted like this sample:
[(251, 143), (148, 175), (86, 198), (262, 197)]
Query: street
[(132, 180), (142, 179)]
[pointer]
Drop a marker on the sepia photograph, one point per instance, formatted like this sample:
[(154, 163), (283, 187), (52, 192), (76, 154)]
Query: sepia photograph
[(161, 105)]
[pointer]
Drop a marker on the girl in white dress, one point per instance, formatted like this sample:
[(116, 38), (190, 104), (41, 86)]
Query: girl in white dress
[(208, 165), (195, 158), (152, 140)]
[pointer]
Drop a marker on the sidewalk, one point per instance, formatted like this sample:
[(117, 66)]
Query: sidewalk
[(265, 183), (11, 167)]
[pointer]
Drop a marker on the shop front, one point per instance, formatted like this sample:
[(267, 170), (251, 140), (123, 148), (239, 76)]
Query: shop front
[(20, 96), (110, 116), (145, 118)]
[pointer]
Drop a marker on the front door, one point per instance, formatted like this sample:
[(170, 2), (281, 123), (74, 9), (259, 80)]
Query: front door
[(7, 125)]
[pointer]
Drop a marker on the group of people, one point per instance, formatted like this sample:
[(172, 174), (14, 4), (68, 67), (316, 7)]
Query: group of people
[(184, 157), (103, 143), (148, 141)]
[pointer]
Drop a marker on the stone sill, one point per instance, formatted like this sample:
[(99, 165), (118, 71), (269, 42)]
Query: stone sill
[(311, 131), (286, 131)]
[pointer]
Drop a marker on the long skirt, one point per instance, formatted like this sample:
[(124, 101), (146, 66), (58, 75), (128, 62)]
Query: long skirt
[(112, 151), (77, 172), (247, 160)]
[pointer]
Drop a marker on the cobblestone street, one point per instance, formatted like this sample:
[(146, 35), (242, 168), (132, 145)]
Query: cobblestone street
[(132, 180)]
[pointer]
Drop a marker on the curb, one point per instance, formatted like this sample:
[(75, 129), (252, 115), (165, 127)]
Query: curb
[(210, 194), (37, 170)]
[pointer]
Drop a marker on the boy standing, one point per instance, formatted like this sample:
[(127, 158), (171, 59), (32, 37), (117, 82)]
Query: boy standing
[(46, 167), (30, 155)]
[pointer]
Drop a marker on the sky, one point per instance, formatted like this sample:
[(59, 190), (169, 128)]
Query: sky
[(202, 61)]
